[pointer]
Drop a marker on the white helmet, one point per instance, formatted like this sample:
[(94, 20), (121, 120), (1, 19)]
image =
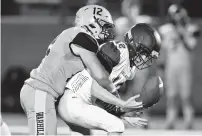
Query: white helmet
[(96, 19)]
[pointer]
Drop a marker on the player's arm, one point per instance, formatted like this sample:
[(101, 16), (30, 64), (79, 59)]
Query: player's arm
[(96, 69), (100, 93), (85, 47)]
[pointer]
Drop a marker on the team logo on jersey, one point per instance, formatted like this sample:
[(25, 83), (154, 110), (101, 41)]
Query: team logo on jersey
[(40, 126)]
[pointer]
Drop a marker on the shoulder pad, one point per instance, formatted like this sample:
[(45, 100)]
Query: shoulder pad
[(86, 41)]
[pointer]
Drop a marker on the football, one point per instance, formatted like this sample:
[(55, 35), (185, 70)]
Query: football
[(151, 92)]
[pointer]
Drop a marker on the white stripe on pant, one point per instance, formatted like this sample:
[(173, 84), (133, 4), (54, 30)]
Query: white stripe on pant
[(40, 110)]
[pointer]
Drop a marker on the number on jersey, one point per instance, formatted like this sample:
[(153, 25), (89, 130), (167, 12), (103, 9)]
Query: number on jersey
[(122, 46)]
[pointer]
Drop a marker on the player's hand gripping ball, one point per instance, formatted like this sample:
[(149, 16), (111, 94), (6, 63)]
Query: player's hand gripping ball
[(151, 91)]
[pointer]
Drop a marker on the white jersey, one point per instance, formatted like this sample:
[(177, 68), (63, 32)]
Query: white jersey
[(80, 84), (123, 69), (82, 81)]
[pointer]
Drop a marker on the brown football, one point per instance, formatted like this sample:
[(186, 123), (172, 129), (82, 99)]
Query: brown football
[(151, 91)]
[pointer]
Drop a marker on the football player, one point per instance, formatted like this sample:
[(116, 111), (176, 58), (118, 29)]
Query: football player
[(179, 40), (69, 53), (77, 105), (131, 10)]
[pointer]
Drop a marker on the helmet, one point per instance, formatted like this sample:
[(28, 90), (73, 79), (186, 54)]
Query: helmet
[(97, 20), (178, 15), (144, 44)]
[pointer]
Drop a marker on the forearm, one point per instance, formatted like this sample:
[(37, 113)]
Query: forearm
[(107, 84), (104, 95), (95, 68), (98, 73)]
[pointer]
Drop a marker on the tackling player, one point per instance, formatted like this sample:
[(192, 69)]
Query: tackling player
[(69, 53), (77, 105)]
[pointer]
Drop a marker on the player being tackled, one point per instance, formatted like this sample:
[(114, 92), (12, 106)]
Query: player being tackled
[(77, 105)]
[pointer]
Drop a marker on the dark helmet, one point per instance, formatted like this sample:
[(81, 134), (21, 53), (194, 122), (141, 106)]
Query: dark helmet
[(144, 44), (177, 14)]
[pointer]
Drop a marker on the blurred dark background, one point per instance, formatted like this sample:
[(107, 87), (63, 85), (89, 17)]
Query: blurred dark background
[(28, 26), (53, 7)]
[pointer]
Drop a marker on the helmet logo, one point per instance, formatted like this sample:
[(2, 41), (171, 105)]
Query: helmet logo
[(141, 39)]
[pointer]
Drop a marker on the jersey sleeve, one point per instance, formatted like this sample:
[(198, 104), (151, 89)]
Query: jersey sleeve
[(85, 41)]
